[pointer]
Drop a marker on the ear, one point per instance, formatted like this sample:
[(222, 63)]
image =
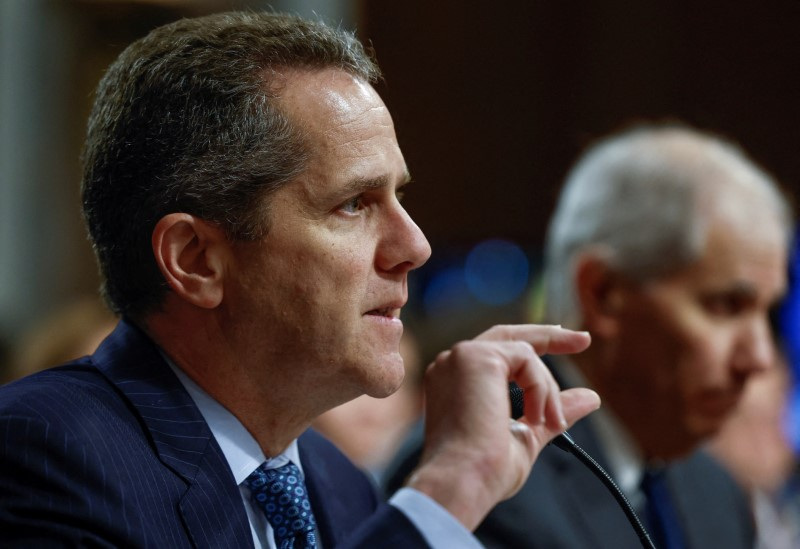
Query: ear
[(190, 253), (601, 294)]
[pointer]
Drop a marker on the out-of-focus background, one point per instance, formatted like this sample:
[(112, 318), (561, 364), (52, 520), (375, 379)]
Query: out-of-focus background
[(492, 102)]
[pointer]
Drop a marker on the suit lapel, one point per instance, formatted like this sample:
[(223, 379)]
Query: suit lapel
[(212, 508), (718, 515), (321, 490), (342, 496), (588, 499)]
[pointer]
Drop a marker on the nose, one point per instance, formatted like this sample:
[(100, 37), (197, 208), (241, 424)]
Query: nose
[(403, 246), (756, 353)]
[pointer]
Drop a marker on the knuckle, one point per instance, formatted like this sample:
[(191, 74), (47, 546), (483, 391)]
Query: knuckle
[(442, 356), (467, 351), (502, 332), (524, 348)]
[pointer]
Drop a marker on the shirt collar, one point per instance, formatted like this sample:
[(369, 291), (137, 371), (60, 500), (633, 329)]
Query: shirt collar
[(240, 449)]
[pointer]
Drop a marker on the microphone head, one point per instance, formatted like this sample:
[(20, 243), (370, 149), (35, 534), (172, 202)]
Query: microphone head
[(517, 394)]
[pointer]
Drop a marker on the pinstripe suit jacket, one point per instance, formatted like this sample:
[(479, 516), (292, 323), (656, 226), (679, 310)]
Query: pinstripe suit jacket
[(110, 451)]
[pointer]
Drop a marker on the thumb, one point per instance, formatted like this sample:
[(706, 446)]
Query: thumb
[(577, 403)]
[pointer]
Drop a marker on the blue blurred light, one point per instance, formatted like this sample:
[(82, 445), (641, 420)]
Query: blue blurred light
[(496, 271), (791, 418), (789, 332), (446, 291)]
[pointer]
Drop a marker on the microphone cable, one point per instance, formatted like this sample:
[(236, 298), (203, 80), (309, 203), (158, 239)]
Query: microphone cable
[(565, 442)]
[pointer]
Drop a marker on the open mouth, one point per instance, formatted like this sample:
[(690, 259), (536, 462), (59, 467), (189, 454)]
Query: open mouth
[(387, 312)]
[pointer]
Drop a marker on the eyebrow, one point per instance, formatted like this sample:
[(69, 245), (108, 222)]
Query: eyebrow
[(747, 290), (363, 184), (744, 289)]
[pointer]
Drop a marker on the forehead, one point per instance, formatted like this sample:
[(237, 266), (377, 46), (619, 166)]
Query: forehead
[(738, 252), (346, 128), (326, 101)]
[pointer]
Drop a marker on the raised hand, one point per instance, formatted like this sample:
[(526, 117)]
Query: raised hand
[(475, 455)]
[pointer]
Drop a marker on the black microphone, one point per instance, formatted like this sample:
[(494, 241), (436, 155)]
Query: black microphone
[(517, 395), (567, 444)]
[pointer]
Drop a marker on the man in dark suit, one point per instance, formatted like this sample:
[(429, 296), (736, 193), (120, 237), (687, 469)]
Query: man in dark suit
[(669, 246), (241, 189)]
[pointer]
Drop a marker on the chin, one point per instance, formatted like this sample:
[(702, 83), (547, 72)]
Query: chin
[(386, 387), (707, 427), (388, 381)]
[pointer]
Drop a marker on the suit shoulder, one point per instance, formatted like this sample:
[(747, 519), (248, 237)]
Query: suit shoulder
[(73, 388), (72, 404)]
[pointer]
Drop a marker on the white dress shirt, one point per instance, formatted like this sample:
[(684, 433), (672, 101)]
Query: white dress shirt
[(243, 454)]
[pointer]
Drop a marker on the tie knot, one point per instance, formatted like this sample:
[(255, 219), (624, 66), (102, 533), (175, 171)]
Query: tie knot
[(281, 494)]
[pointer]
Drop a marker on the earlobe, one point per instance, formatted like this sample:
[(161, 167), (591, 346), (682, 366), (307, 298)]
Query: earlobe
[(190, 253), (600, 291)]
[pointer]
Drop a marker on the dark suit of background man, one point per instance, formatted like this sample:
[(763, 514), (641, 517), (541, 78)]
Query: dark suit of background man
[(241, 188), (669, 246)]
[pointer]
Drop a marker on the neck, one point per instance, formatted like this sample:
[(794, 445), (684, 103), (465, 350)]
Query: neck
[(656, 433), (258, 395)]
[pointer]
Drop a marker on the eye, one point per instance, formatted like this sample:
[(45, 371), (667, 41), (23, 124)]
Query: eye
[(726, 304), (353, 205)]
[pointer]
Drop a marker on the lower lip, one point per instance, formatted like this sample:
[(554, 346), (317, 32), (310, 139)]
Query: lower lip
[(388, 320)]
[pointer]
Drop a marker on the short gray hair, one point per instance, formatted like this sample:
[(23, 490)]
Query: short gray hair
[(642, 198)]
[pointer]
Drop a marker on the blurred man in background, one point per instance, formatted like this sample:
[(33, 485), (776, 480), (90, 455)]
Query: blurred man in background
[(669, 246)]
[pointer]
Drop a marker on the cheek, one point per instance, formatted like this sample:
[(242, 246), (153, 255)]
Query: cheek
[(322, 274), (704, 359), (343, 262), (671, 348)]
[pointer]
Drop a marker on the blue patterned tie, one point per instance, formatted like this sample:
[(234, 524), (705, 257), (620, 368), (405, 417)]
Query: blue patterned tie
[(662, 517), (281, 494)]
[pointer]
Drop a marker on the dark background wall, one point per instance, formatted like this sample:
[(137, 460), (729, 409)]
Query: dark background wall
[(493, 103)]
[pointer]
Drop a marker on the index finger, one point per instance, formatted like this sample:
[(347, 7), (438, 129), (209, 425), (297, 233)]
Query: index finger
[(545, 339)]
